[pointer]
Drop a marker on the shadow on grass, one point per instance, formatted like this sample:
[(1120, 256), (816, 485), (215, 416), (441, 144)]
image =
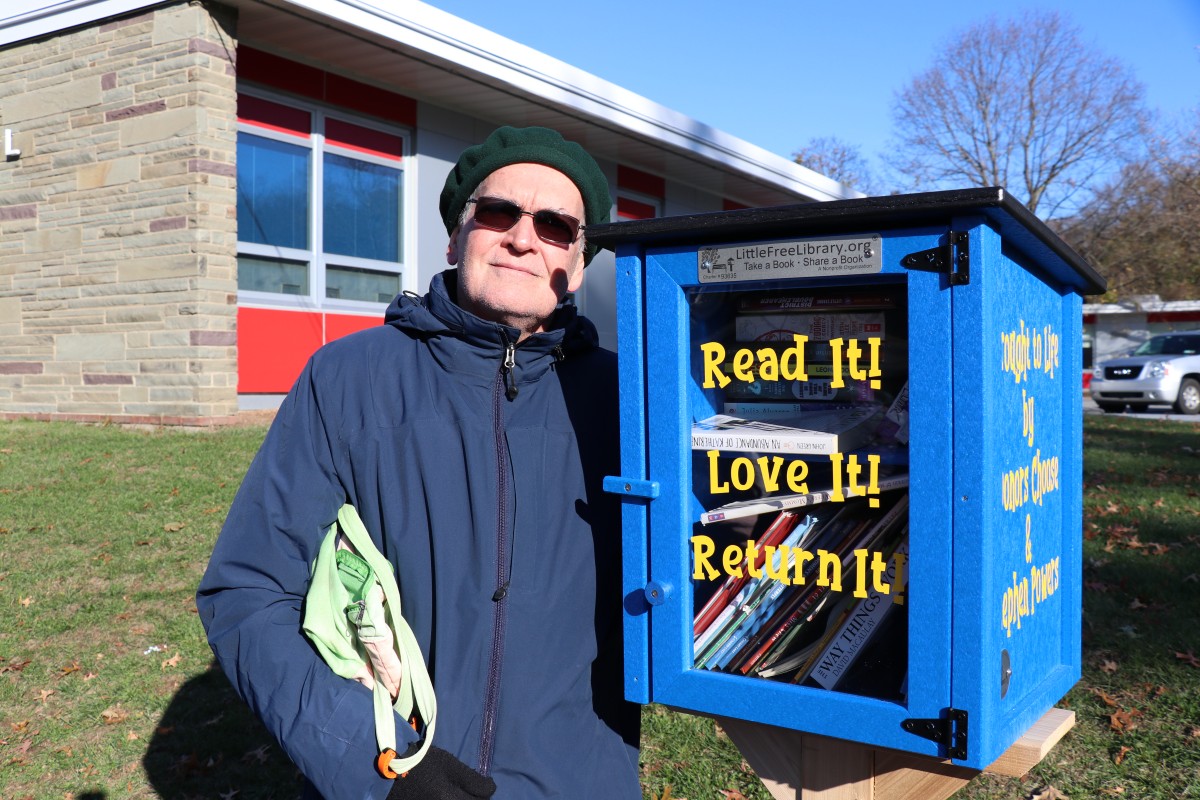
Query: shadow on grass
[(209, 745)]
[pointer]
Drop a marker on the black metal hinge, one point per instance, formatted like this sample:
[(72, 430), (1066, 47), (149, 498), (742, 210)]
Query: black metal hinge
[(953, 258), (950, 731)]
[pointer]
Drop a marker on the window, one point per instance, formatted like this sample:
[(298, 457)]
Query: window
[(320, 206)]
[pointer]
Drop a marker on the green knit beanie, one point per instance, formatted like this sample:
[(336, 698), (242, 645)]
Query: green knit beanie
[(508, 145)]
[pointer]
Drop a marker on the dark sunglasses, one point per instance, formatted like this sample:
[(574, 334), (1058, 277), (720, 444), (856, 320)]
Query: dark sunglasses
[(497, 214)]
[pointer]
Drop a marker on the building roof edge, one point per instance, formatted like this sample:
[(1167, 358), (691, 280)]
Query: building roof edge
[(471, 47)]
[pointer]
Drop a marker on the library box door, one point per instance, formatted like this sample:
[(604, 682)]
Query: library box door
[(697, 336)]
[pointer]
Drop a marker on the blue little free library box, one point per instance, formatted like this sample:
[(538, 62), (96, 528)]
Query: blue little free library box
[(852, 467)]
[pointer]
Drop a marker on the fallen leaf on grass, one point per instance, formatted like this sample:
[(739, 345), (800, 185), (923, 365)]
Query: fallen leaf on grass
[(14, 665), (131, 737), (44, 695), (1047, 793), (173, 661), (69, 668), (1154, 691), (1123, 721), (1108, 667), (173, 527), (1119, 756), (89, 676), (114, 714), (1116, 790), (1193, 733), (732, 794), (26, 602), (1189, 658)]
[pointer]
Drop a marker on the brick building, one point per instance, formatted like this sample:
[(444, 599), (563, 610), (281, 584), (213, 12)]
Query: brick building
[(196, 195)]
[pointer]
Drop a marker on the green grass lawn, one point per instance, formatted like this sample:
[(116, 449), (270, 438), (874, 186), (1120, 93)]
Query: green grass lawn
[(107, 689)]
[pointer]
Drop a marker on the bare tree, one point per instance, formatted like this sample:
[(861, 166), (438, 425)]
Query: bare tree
[(839, 160), (1139, 229), (1024, 104)]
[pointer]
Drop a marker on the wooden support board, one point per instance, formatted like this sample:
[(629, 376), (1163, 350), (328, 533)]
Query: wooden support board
[(798, 766)]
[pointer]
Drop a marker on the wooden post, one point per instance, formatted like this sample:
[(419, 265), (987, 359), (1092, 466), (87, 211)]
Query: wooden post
[(799, 766)]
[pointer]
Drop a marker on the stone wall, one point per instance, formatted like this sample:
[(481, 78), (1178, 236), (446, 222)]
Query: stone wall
[(118, 221)]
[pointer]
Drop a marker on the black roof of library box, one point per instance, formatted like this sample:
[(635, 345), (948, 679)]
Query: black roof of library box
[(1017, 225)]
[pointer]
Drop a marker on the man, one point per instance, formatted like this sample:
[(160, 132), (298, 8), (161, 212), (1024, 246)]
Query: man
[(471, 432)]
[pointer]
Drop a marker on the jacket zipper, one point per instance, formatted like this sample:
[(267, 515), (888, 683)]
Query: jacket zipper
[(506, 380), (509, 370)]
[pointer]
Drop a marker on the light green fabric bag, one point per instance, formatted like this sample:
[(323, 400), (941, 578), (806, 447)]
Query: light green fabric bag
[(351, 612)]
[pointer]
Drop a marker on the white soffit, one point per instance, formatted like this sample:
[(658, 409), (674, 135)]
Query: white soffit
[(447, 59), (30, 19)]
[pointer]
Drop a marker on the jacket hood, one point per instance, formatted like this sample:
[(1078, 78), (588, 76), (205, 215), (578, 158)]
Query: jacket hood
[(437, 313)]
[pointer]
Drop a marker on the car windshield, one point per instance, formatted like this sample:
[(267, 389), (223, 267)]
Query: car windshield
[(1170, 345)]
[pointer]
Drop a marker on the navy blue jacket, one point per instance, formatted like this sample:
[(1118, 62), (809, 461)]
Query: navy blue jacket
[(481, 484)]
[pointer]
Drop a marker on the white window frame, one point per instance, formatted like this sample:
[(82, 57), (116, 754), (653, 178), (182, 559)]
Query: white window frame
[(315, 257), (648, 199)]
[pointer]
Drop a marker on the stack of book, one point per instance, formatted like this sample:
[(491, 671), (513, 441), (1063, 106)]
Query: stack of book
[(789, 628)]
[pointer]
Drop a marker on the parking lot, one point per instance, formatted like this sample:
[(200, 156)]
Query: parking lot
[(1155, 412)]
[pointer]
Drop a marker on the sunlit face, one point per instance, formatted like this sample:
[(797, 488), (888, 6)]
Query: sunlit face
[(512, 276)]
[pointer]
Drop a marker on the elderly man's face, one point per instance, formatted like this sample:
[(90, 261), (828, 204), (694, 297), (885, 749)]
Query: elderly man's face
[(512, 276)]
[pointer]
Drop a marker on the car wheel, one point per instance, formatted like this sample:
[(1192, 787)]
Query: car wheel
[(1111, 408), (1188, 401)]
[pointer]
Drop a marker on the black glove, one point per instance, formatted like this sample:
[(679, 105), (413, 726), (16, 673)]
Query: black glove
[(441, 776)]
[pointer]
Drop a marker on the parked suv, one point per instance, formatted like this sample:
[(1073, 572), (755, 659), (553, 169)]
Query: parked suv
[(1164, 370)]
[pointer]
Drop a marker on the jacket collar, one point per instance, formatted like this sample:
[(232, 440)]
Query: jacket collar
[(437, 318)]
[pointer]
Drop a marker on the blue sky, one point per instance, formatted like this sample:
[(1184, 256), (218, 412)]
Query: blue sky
[(780, 72)]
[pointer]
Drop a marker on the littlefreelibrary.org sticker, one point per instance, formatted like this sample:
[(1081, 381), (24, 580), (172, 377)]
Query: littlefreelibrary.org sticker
[(830, 256)]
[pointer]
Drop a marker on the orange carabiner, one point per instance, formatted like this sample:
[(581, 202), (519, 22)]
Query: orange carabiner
[(383, 763)]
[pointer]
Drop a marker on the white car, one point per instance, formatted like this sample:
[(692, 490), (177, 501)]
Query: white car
[(1164, 370)]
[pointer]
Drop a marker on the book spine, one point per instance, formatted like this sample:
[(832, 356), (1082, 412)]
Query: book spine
[(748, 629), (793, 303), (703, 641), (787, 524), (779, 410), (810, 443), (751, 508), (749, 610), (794, 613), (855, 631), (819, 390), (816, 326)]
